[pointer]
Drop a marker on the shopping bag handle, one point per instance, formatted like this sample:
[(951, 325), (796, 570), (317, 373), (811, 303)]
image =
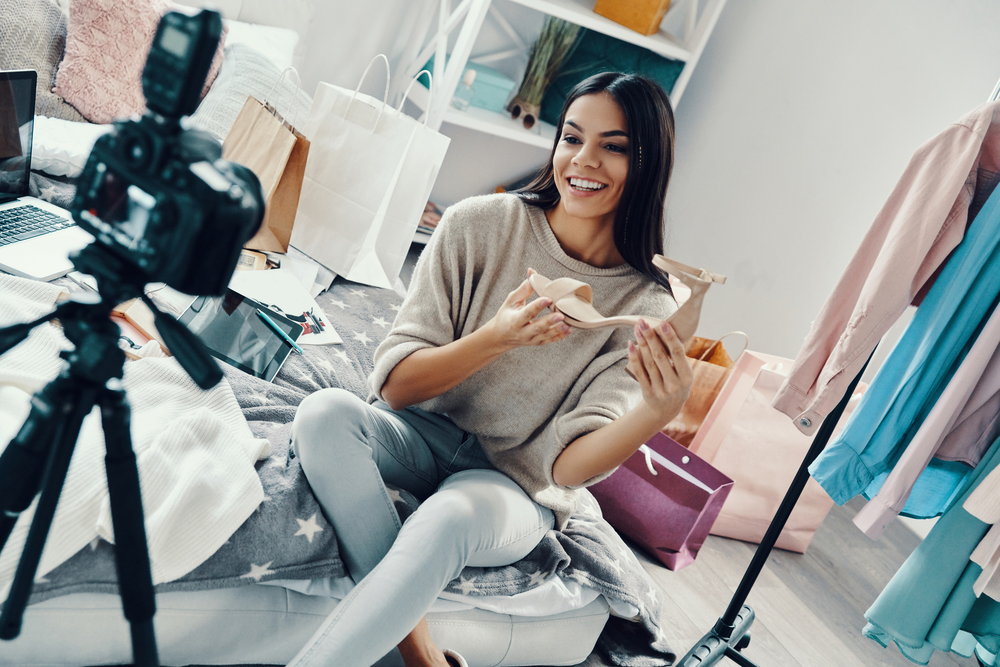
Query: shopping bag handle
[(298, 83), (430, 89), (718, 340), (649, 459), (385, 97)]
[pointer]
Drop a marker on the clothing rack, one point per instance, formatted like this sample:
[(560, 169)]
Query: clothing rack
[(731, 633)]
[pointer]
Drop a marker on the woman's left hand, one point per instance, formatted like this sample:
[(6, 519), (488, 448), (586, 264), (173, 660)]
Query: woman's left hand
[(657, 360)]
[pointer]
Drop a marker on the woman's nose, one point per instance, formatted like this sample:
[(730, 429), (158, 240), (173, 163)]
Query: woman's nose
[(586, 156)]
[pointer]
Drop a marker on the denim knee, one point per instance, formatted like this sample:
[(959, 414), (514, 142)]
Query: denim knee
[(323, 415), (482, 514)]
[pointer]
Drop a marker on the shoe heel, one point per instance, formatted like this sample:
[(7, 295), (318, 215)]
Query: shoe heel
[(685, 320)]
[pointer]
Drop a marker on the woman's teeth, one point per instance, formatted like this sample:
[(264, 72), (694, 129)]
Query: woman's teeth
[(581, 184)]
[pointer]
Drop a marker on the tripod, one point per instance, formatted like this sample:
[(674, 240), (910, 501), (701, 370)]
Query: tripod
[(37, 459)]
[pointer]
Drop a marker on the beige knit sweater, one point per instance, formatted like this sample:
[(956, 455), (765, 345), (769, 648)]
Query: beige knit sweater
[(531, 402)]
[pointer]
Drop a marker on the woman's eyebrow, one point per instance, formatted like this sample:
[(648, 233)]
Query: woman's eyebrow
[(610, 133)]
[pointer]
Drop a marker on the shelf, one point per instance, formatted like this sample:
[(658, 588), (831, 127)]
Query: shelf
[(490, 122), (581, 12)]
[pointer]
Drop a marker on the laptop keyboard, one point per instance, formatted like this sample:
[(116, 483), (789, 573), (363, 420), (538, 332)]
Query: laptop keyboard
[(24, 222)]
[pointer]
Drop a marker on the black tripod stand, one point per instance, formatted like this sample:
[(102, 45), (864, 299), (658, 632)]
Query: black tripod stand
[(731, 633), (37, 459)]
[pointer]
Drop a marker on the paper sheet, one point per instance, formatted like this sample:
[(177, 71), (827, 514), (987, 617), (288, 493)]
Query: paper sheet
[(282, 290)]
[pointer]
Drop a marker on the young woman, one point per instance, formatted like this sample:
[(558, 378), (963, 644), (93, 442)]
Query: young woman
[(486, 405)]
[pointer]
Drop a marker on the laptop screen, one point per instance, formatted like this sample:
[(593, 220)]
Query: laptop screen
[(17, 113)]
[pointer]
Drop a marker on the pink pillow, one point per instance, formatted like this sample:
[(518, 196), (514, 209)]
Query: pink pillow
[(107, 43)]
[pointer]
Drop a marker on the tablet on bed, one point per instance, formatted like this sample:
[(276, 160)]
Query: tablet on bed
[(238, 331)]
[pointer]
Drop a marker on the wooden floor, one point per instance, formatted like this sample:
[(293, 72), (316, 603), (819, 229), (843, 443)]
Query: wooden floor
[(809, 607)]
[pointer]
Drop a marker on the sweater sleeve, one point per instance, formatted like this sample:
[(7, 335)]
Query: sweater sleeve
[(430, 311)]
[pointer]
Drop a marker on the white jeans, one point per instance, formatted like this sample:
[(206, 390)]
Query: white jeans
[(471, 514)]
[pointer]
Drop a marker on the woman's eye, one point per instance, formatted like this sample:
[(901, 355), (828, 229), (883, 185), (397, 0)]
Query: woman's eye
[(615, 148), (570, 139)]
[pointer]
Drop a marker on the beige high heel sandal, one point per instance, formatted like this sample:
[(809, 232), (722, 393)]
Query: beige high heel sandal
[(574, 299)]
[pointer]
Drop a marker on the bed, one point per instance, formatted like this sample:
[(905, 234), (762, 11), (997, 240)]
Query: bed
[(256, 580)]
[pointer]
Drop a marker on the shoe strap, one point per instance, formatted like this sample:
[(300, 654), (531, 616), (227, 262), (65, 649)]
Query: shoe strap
[(563, 287), (672, 266)]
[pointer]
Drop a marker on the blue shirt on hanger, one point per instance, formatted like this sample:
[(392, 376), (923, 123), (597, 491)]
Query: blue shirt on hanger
[(916, 371)]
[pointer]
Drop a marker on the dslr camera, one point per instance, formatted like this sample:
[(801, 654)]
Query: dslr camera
[(158, 198)]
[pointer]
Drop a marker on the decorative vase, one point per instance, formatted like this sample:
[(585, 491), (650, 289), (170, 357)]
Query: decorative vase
[(556, 42)]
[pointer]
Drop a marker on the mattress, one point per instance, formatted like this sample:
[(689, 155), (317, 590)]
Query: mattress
[(260, 624)]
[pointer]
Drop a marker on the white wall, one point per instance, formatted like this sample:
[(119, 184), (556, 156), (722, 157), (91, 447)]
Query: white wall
[(796, 124), (798, 121)]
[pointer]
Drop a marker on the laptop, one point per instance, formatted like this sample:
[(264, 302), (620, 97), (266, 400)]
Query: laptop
[(36, 237)]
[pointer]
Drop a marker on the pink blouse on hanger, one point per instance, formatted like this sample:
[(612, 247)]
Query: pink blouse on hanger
[(923, 220)]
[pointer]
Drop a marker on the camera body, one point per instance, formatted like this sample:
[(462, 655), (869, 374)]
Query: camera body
[(159, 197)]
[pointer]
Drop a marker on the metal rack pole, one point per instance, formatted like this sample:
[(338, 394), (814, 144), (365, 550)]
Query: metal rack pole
[(731, 633)]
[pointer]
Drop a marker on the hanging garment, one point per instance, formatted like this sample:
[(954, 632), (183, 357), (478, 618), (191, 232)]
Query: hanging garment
[(964, 421), (930, 602), (984, 504), (917, 371), (920, 224)]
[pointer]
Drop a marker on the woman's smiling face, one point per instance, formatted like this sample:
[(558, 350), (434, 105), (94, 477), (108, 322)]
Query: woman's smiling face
[(590, 163)]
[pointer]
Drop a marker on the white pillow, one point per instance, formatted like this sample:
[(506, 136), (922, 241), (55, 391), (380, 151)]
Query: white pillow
[(61, 147), (246, 71), (296, 15), (278, 44)]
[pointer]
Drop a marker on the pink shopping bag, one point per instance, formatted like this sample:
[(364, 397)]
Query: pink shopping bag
[(761, 450), (665, 498)]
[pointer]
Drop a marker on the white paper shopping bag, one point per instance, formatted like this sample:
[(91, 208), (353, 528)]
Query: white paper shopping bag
[(368, 177)]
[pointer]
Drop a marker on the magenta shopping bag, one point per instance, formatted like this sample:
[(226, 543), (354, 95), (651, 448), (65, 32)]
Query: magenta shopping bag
[(665, 498)]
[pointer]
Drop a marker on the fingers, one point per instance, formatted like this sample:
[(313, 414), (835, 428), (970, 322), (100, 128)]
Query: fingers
[(652, 354), (636, 368), (662, 355), (678, 356), (520, 295), (548, 329)]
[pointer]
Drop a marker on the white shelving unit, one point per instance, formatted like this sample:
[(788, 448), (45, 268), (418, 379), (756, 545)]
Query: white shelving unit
[(698, 19), (490, 122)]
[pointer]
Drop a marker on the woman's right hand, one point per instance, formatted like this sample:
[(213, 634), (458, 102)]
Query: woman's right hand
[(518, 324)]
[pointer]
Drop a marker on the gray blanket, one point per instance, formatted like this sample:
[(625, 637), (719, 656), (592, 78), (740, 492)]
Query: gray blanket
[(289, 538)]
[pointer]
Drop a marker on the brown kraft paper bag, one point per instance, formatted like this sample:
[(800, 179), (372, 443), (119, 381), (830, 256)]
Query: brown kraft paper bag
[(276, 153)]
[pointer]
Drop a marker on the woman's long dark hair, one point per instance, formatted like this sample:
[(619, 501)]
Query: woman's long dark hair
[(638, 230)]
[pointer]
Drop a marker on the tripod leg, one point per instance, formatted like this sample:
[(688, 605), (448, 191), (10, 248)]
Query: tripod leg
[(721, 642), (135, 582), (22, 464), (61, 400)]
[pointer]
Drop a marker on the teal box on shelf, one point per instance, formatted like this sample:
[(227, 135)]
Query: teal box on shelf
[(490, 89)]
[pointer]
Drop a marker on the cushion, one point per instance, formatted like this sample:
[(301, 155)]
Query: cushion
[(296, 15), (106, 48), (32, 36), (278, 44), (246, 71), (268, 625), (61, 148)]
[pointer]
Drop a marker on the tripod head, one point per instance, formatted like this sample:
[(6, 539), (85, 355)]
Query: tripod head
[(86, 322)]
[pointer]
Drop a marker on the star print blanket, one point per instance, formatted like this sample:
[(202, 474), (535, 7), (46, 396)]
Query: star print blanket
[(288, 537)]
